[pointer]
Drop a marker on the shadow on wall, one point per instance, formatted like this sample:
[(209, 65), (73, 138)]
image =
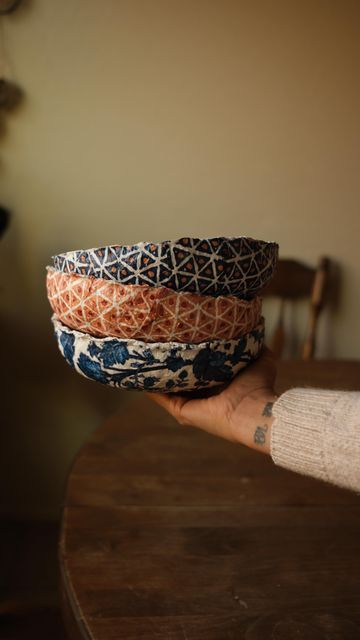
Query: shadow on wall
[(47, 410)]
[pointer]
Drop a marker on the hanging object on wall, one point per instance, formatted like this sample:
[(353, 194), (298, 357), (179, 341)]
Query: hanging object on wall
[(10, 92), (7, 6), (4, 219), (10, 95)]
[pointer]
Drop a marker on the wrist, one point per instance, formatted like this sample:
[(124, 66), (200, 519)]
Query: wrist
[(252, 421)]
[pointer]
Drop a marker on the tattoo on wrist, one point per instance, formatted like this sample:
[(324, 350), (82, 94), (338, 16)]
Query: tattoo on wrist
[(260, 434), (268, 409)]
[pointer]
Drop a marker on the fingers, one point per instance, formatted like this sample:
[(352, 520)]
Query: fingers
[(267, 360), (159, 398), (257, 375), (266, 352), (172, 404), (266, 363), (186, 411)]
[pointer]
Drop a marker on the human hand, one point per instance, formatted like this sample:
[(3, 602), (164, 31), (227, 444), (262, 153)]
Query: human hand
[(241, 412)]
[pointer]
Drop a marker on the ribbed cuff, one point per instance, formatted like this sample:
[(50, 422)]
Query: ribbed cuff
[(298, 431)]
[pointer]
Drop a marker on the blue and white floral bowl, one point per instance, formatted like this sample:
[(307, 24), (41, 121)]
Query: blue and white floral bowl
[(168, 367), (211, 266)]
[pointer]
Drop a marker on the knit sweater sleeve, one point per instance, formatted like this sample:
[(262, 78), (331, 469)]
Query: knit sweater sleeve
[(317, 433)]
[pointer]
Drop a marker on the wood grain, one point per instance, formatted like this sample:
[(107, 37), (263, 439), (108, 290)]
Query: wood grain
[(169, 533)]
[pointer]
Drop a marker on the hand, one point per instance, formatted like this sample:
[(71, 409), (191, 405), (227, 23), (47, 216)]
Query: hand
[(241, 412)]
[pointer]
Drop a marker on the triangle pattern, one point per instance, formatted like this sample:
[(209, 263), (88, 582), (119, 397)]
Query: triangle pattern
[(101, 308), (218, 266)]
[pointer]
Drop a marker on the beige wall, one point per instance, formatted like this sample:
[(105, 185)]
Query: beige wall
[(152, 119), (158, 118)]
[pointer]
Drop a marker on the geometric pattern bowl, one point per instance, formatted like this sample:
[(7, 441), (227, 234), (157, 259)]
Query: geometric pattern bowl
[(152, 314), (168, 367), (211, 266)]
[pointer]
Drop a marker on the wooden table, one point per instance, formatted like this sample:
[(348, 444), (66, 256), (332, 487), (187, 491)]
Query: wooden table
[(169, 533)]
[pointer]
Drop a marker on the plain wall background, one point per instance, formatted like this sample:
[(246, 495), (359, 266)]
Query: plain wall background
[(152, 119)]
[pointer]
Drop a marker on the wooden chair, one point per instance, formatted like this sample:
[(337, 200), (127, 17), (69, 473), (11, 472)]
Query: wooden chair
[(294, 280)]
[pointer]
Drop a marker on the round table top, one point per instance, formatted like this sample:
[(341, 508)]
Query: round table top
[(170, 533)]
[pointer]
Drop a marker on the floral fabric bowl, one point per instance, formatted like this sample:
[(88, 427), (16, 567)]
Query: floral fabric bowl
[(153, 314), (171, 367), (211, 266)]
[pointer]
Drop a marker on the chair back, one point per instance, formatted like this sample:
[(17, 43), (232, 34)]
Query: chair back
[(293, 281)]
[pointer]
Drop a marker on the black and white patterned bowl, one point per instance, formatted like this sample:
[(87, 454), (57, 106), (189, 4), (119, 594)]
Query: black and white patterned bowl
[(212, 266), (168, 367)]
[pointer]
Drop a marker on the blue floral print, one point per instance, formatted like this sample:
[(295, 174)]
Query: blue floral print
[(131, 364)]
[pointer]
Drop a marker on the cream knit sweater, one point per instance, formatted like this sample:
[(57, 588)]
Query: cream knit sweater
[(317, 433)]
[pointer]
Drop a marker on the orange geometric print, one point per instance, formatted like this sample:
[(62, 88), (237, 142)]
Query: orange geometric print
[(153, 314)]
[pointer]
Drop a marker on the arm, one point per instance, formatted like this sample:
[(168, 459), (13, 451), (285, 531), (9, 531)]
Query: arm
[(310, 431), (317, 432)]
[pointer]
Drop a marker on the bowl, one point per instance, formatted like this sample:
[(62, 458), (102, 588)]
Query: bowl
[(167, 367), (153, 314), (211, 266)]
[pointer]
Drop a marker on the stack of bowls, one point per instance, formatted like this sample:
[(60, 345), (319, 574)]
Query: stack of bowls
[(171, 316)]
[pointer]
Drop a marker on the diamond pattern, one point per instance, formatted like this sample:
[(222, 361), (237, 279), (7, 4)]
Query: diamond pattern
[(216, 266), (105, 308)]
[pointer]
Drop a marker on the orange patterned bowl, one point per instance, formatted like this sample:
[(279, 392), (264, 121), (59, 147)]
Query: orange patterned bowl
[(102, 308)]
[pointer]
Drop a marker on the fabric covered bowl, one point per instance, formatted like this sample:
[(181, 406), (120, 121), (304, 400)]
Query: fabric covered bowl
[(171, 367), (153, 314), (212, 266)]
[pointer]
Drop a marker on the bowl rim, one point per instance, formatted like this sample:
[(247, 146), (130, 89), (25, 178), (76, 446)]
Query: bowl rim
[(162, 346), (141, 244), (247, 302)]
